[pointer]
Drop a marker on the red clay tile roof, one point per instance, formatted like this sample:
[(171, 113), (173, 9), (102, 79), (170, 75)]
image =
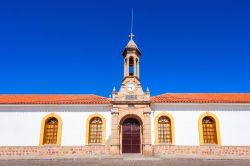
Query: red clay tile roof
[(202, 98), (94, 99), (53, 99)]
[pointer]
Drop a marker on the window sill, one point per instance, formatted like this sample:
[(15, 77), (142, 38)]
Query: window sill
[(165, 144), (210, 145), (95, 144), (50, 145)]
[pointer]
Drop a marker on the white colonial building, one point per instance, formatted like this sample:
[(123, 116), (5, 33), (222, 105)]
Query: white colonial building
[(131, 121)]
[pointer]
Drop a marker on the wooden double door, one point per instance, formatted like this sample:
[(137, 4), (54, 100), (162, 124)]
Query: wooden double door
[(131, 137)]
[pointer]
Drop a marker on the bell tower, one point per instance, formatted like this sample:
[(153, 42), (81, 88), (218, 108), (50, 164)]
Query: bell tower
[(131, 89), (131, 55)]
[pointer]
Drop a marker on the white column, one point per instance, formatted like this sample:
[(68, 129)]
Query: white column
[(127, 66), (138, 68), (134, 66)]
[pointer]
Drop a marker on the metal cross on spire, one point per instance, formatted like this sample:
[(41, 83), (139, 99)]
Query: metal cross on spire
[(131, 36)]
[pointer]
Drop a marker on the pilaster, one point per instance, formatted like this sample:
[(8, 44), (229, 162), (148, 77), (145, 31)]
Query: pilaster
[(115, 144), (147, 146)]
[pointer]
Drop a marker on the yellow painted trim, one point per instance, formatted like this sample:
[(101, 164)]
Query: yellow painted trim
[(103, 127), (172, 127), (59, 131), (217, 124)]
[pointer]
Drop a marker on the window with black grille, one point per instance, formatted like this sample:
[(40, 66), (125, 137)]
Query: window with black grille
[(209, 130), (50, 131), (95, 130), (164, 130)]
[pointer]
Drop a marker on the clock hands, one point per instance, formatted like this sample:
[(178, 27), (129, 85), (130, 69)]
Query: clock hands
[(130, 87)]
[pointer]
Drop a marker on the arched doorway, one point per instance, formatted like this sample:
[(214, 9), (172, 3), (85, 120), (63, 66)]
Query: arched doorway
[(131, 136)]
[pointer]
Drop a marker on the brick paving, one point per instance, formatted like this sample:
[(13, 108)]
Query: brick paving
[(126, 162)]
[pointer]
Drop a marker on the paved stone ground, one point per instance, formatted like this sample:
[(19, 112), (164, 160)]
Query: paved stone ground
[(126, 162)]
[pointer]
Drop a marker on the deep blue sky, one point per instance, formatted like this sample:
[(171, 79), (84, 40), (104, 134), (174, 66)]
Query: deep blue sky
[(75, 47)]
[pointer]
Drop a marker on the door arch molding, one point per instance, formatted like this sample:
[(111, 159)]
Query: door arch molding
[(133, 116)]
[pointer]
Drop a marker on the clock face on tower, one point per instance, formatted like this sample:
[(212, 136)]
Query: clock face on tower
[(130, 87)]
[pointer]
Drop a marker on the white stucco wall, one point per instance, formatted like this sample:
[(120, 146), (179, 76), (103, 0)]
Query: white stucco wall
[(20, 125), (233, 119)]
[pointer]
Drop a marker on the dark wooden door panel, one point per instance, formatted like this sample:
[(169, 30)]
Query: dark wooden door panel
[(126, 142), (135, 149), (135, 142), (131, 141), (126, 149)]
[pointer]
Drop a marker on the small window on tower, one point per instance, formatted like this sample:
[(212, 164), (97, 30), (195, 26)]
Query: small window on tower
[(131, 66)]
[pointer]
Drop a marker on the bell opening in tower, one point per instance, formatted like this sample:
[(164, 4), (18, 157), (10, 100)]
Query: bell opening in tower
[(131, 66)]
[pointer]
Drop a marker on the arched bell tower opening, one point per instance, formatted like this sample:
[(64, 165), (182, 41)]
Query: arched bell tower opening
[(131, 66)]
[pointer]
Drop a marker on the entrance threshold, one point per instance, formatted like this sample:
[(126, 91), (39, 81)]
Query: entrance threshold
[(131, 154), (138, 156)]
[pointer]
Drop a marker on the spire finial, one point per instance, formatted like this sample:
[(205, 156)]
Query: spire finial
[(131, 36)]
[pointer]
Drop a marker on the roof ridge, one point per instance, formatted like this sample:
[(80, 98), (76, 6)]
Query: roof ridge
[(199, 93), (53, 99), (50, 95), (202, 98)]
